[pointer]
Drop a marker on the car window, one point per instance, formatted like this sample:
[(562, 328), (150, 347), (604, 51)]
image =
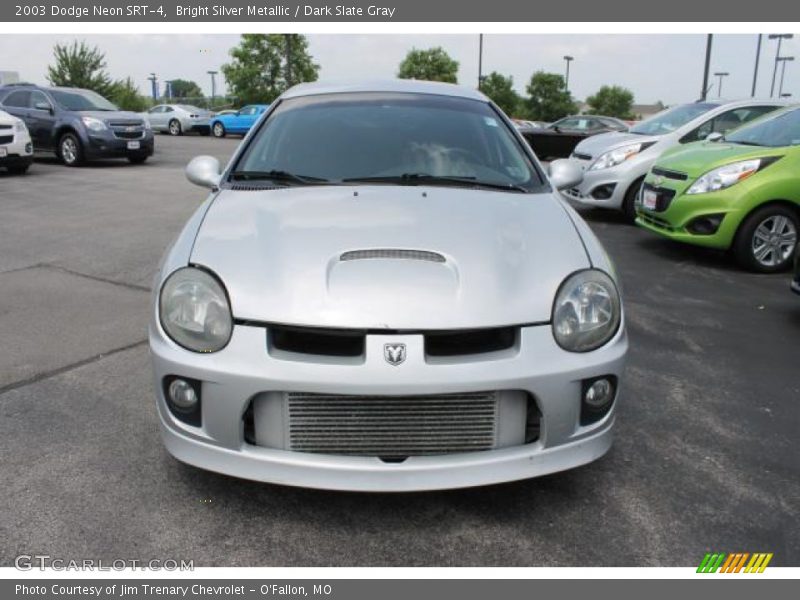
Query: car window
[(247, 110), (781, 129), (156, 109), (569, 123), (371, 135), (725, 122), (169, 109), (18, 99), (671, 119), (38, 97)]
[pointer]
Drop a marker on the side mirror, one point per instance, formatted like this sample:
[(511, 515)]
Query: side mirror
[(43, 106), (565, 174), (204, 171), (714, 136)]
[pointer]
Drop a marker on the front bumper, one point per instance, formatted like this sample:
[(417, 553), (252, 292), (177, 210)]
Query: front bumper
[(244, 369), (606, 188), (107, 145), (18, 152)]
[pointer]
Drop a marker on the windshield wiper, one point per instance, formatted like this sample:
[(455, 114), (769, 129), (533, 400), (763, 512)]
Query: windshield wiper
[(277, 175), (426, 179)]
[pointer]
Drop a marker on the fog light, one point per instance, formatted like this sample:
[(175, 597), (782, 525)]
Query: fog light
[(598, 397), (706, 225), (182, 395)]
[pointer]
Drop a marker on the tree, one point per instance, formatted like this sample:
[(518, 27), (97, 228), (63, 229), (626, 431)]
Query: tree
[(612, 101), (181, 88), (433, 64), (78, 65), (501, 90), (265, 65), (125, 95), (548, 99)]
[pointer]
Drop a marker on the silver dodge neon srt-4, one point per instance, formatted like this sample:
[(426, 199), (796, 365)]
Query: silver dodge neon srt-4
[(385, 292)]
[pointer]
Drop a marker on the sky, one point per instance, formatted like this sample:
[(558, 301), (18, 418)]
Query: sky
[(665, 67)]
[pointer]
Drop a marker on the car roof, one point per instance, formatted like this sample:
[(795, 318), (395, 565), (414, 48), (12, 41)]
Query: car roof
[(409, 86)]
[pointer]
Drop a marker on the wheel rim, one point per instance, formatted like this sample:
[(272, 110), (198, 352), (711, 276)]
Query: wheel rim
[(69, 150), (218, 129), (174, 128), (774, 240)]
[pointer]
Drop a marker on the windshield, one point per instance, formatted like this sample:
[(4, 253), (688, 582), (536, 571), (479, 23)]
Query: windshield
[(775, 131), (411, 138), (671, 119), (81, 100)]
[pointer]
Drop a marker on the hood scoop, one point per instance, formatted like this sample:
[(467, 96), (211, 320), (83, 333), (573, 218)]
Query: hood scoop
[(392, 254)]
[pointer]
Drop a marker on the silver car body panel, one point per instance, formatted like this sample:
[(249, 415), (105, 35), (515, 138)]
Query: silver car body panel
[(161, 121), (626, 174), (279, 254)]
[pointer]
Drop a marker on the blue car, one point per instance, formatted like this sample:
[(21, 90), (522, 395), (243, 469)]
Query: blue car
[(238, 122)]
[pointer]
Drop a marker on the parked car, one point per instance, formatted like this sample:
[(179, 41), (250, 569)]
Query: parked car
[(16, 149), (524, 124), (558, 139), (77, 125), (177, 119), (615, 164), (384, 291), (239, 122), (741, 192)]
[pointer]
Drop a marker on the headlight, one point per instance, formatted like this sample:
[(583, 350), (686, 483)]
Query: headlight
[(19, 125), (194, 310), (726, 176), (612, 158), (586, 313), (93, 124)]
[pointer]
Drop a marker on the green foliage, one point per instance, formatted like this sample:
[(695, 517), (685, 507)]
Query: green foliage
[(182, 89), (501, 90), (612, 101), (259, 70), (78, 65), (125, 95), (548, 99), (433, 64)]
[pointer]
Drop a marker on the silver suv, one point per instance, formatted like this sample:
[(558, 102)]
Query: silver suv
[(614, 164)]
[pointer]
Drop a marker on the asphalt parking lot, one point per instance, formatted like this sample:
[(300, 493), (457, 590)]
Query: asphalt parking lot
[(706, 456)]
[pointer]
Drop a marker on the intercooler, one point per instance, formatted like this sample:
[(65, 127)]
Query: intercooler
[(390, 427)]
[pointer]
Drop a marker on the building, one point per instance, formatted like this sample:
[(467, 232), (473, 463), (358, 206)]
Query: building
[(7, 77)]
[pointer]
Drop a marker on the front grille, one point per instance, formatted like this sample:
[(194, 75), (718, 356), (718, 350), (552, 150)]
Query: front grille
[(477, 341), (392, 427), (5, 126), (655, 221), (6, 139), (392, 253), (324, 342), (126, 124), (669, 174), (580, 156), (128, 135)]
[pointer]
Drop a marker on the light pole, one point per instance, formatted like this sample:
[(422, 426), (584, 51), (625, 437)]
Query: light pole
[(783, 60), (213, 85), (480, 60), (720, 74), (709, 41), (153, 79), (780, 37), (569, 59)]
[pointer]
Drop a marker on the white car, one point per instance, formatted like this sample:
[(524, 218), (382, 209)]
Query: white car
[(16, 148), (177, 119), (385, 292), (614, 164)]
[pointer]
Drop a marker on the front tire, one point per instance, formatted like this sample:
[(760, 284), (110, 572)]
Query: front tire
[(175, 127), (767, 239), (70, 150), (629, 202), (218, 129)]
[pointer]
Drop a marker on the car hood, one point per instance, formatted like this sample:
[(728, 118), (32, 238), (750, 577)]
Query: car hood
[(596, 145), (112, 115), (699, 158), (279, 253)]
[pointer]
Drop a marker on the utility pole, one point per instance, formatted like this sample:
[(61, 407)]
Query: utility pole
[(213, 85), (153, 79), (783, 60), (569, 59), (709, 41), (720, 74), (755, 69), (480, 60), (780, 37)]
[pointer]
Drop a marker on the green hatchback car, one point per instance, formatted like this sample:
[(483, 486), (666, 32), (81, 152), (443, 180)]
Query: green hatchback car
[(739, 192)]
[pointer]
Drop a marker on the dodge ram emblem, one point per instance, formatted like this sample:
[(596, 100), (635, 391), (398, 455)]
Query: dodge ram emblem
[(395, 354)]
